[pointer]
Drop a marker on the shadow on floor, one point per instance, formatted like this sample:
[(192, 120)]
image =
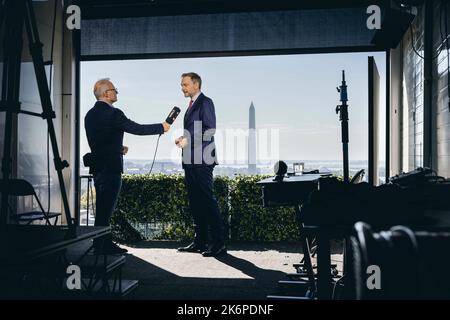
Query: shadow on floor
[(157, 283), (294, 247)]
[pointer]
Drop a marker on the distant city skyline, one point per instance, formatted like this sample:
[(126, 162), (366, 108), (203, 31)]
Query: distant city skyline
[(294, 95), (139, 166)]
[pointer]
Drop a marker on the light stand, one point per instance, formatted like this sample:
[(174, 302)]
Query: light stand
[(15, 14), (343, 117)]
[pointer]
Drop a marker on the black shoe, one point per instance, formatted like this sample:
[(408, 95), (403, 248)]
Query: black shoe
[(193, 247), (110, 248), (215, 251)]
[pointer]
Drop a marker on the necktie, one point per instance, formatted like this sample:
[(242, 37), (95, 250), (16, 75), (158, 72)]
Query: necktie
[(190, 105)]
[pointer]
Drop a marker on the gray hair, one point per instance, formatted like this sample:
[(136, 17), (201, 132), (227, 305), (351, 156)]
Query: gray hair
[(100, 87)]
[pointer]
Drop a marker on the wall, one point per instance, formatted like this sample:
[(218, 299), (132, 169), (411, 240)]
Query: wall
[(396, 115), (440, 94), (413, 93), (411, 125), (32, 162)]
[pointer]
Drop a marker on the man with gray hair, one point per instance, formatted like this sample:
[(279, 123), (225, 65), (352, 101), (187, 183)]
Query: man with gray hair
[(105, 126)]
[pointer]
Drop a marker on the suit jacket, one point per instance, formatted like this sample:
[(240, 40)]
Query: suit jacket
[(105, 126), (199, 129)]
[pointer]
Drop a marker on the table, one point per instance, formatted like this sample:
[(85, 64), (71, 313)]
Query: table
[(293, 191)]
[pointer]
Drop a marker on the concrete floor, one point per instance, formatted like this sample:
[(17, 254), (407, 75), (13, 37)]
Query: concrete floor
[(249, 271)]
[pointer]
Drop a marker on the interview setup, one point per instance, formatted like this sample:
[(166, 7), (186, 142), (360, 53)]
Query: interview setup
[(390, 229)]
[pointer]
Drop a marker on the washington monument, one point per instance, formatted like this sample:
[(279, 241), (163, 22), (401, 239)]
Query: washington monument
[(251, 140)]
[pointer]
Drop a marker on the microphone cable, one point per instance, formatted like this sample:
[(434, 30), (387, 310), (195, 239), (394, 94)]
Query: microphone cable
[(154, 156), (170, 120)]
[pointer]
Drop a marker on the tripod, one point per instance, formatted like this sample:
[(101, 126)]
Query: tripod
[(343, 117), (14, 14)]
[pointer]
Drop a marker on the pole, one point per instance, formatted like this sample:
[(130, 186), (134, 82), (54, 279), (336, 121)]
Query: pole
[(343, 117), (48, 113)]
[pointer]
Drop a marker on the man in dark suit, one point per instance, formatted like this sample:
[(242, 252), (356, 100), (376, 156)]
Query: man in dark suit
[(105, 126), (199, 159)]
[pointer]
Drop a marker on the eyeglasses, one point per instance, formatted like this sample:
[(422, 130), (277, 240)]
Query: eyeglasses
[(114, 89)]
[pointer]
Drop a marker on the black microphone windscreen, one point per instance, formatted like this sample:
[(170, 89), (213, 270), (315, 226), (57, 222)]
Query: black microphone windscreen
[(173, 115)]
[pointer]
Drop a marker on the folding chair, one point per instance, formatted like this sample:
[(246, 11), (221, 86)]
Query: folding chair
[(22, 188), (358, 177)]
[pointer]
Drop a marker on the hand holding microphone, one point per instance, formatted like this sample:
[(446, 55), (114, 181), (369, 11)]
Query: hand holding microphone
[(166, 126)]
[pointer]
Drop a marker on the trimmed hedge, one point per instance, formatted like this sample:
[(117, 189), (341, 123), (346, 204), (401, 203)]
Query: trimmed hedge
[(250, 221), (160, 202)]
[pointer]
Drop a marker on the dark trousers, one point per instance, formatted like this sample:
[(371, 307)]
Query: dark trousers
[(203, 205), (107, 189)]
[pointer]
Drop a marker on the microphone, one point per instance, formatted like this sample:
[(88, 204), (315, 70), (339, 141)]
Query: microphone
[(173, 115)]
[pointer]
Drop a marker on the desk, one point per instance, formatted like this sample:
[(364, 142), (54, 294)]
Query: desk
[(293, 191)]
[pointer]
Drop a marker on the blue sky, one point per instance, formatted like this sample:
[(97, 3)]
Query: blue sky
[(295, 94)]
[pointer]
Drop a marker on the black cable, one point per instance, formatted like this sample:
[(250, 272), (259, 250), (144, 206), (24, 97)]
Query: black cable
[(412, 38), (154, 156), (151, 168), (50, 89), (409, 234)]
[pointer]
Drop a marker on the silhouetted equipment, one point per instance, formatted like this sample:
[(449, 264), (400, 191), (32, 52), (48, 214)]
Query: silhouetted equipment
[(340, 203), (18, 13), (342, 110), (412, 199), (357, 178), (411, 264), (22, 188), (416, 177), (426, 185), (280, 170), (88, 160), (294, 191)]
